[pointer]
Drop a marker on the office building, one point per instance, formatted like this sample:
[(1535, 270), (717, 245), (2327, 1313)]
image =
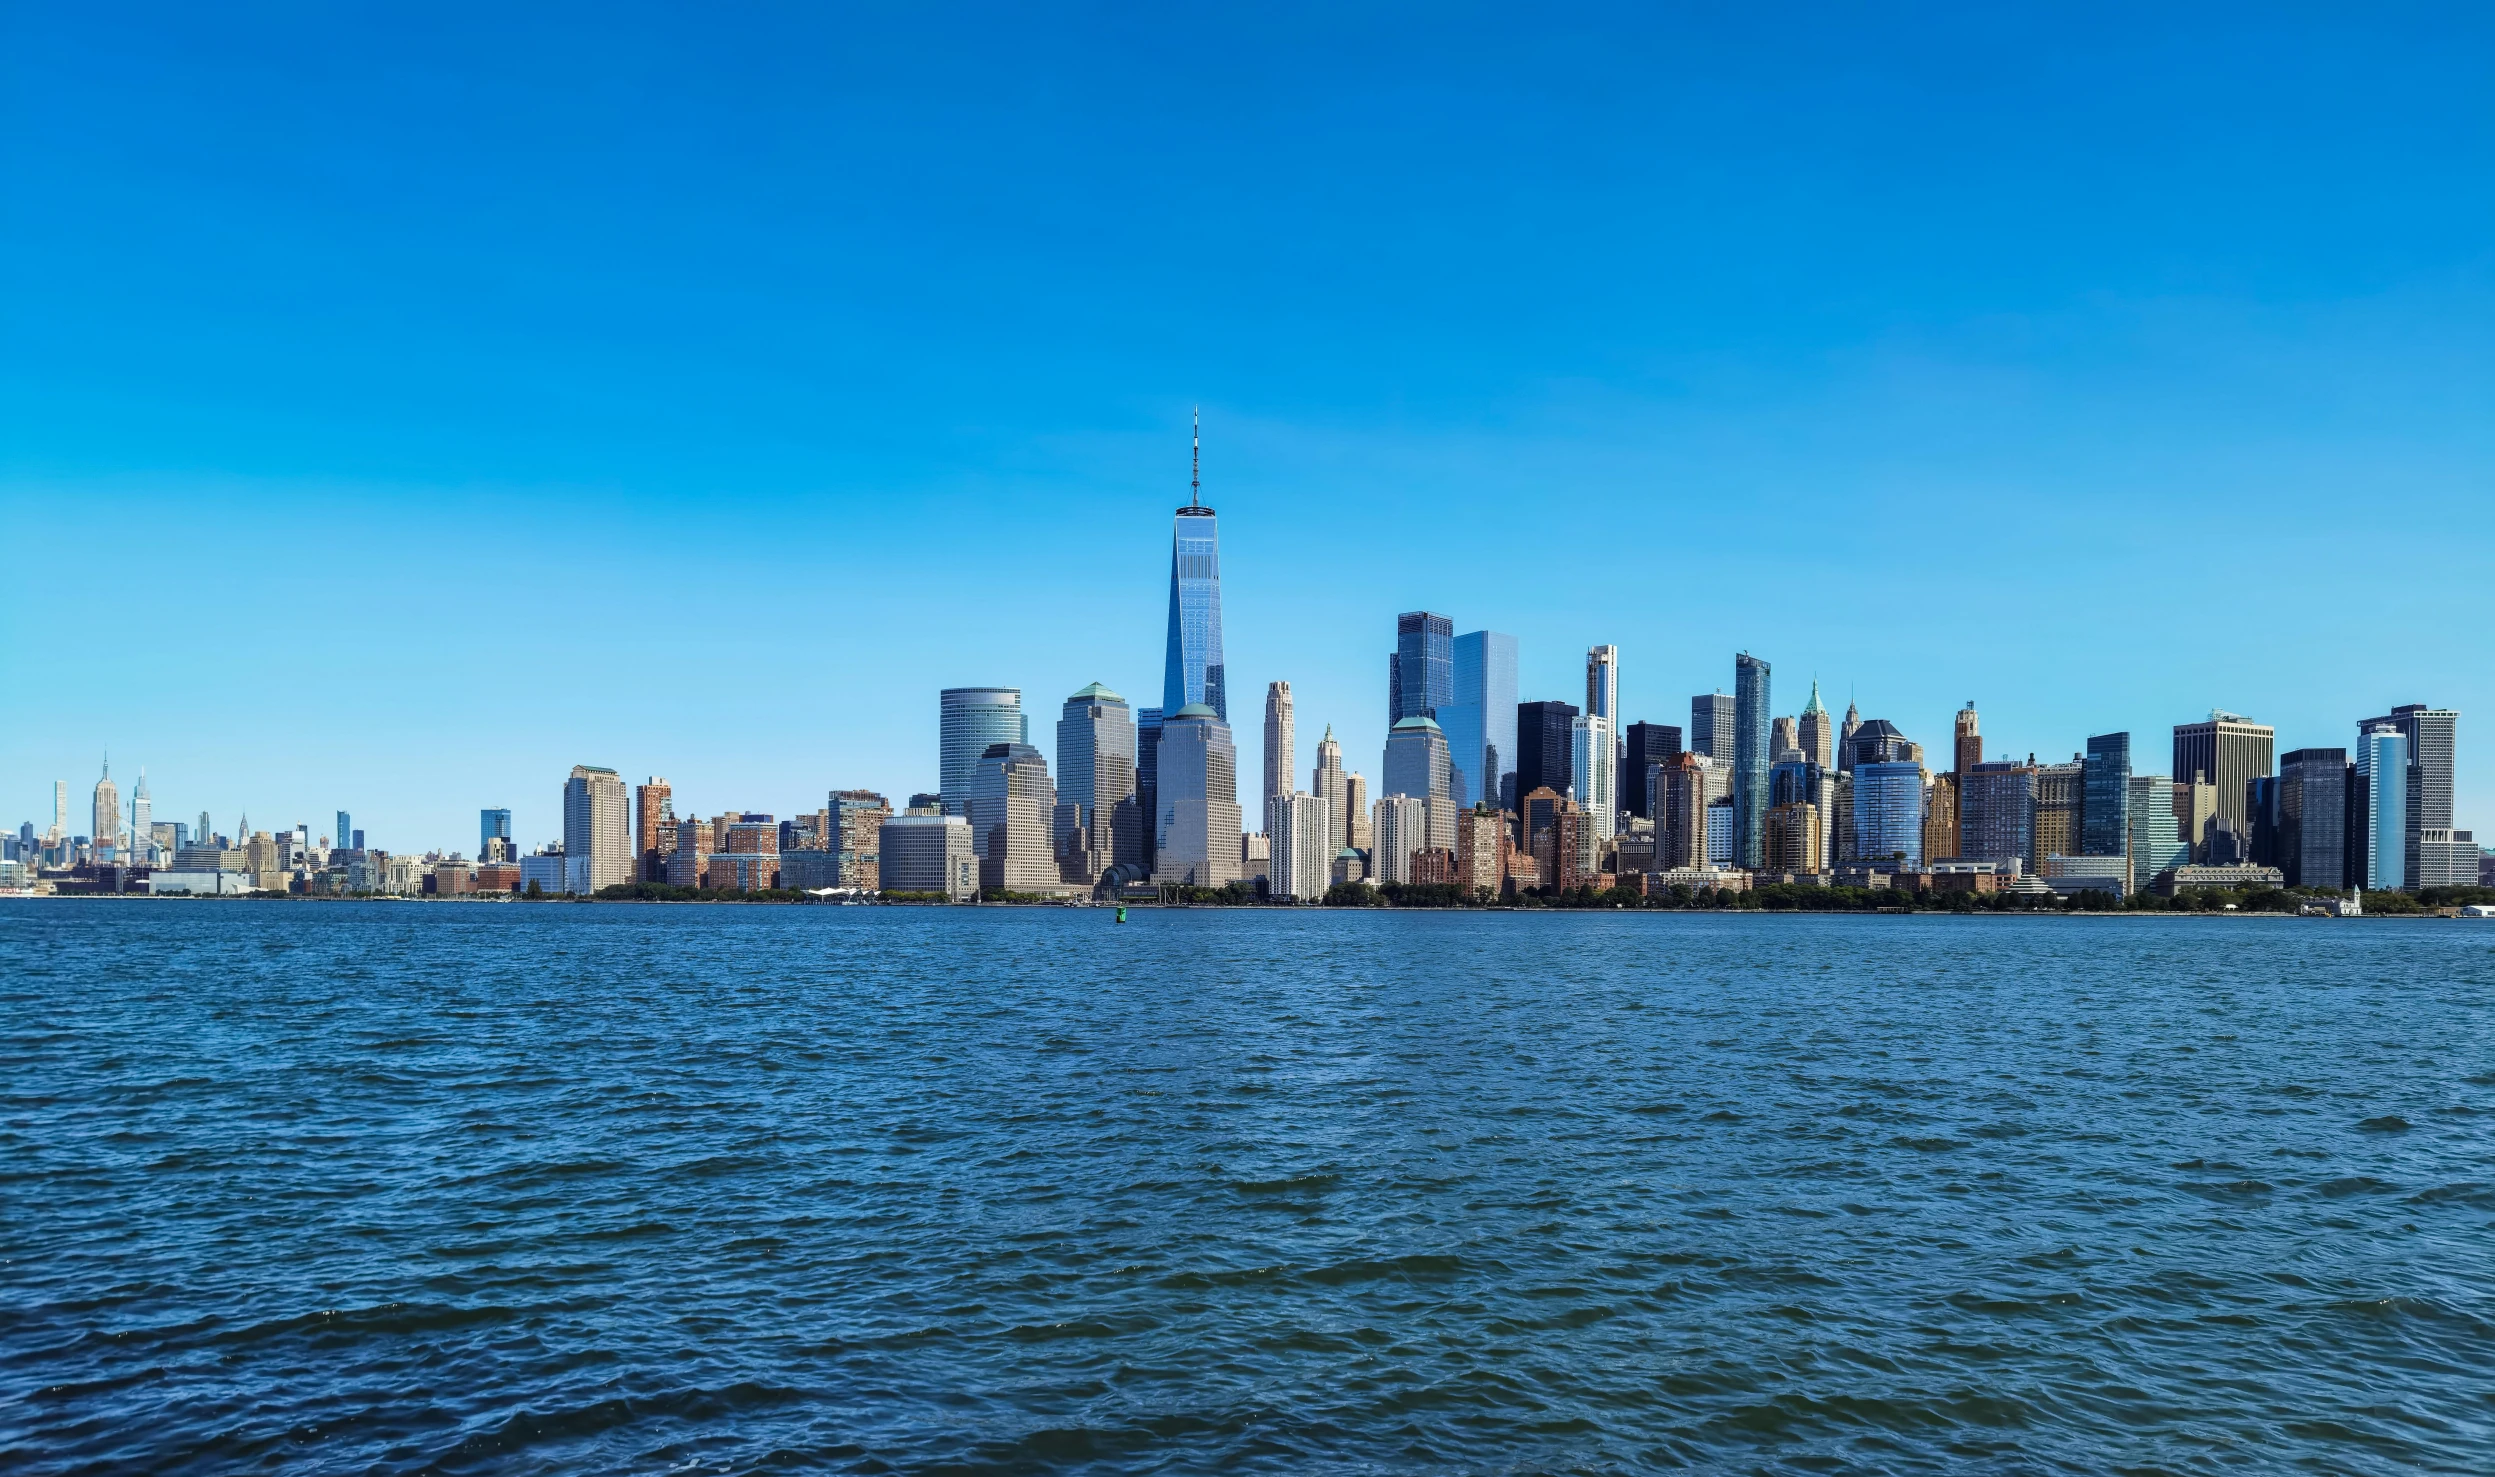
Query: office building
[(1147, 783), (1013, 809), (1281, 746), (1602, 684), (1997, 814), (1649, 744), (1794, 783), (1326, 783), (1480, 723), (493, 826), (2313, 818), (1301, 864), (1545, 740), (142, 837), (1356, 812), (2228, 751), (2447, 858), (1723, 833), (1875, 742), (1783, 735), (653, 818), (2061, 799), (971, 721), (1400, 824), (1969, 750), (1751, 720), (2157, 842), (2195, 811), (1196, 836), (1845, 739), (597, 825), (2105, 799), (1888, 814), (1099, 818), (1814, 733), (2429, 736), (2382, 765), (927, 854), (107, 816), (1416, 760), (2071, 875), (1711, 726), (1193, 672), (1794, 838), (1420, 676)]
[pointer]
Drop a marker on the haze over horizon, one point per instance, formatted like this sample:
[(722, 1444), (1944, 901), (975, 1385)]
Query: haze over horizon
[(399, 407)]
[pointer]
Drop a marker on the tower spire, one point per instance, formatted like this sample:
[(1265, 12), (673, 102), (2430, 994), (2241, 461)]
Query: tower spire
[(1195, 464)]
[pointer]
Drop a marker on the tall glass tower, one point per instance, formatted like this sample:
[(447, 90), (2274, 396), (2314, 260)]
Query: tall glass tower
[(1193, 672), (1481, 722), (1421, 678), (2105, 808), (1751, 709)]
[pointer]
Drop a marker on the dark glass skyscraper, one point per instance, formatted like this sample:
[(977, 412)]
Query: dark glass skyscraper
[(1481, 722), (1421, 678), (1543, 737), (1193, 671), (2313, 817), (2105, 804), (1650, 744), (1752, 713)]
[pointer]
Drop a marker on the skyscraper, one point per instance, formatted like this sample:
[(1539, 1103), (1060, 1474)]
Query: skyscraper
[(855, 837), (1845, 737), (107, 815), (2105, 810), (1197, 836), (1970, 746), (1416, 760), (346, 832), (2429, 735), (1420, 677), (1997, 813), (2230, 750), (1281, 747), (142, 839), (2061, 803), (1356, 811), (1594, 762), (1012, 817), (1679, 806), (1888, 813), (1326, 783), (1544, 741), (2312, 817), (1193, 672), (2382, 768), (1711, 726), (1751, 715), (60, 813), (1098, 822), (492, 826), (596, 825), (1649, 744), (1147, 784), (1815, 733), (1480, 723), (1303, 859), (2156, 835), (1602, 684), (653, 816), (971, 721)]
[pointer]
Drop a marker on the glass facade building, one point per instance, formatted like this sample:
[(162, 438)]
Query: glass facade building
[(1480, 723), (1543, 748), (1193, 671), (972, 721), (1420, 679), (2382, 765), (1888, 813), (2105, 807), (2156, 831), (491, 825), (2313, 817), (1416, 760), (1711, 726), (1752, 714)]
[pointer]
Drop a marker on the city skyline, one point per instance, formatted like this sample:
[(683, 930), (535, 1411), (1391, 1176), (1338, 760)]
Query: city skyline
[(1915, 337)]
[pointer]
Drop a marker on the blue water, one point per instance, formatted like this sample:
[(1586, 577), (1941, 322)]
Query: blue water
[(440, 1188)]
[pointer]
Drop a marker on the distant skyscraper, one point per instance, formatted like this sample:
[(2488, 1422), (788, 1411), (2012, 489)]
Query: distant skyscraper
[(492, 826), (1197, 836), (1012, 819), (107, 816), (1327, 785), (1888, 813), (1481, 723), (142, 837), (1997, 813), (1303, 858), (2156, 837), (854, 837), (1594, 763), (1782, 738), (346, 831), (1752, 696), (1193, 672), (1416, 760), (1420, 678), (2061, 802), (1970, 746), (2230, 750), (1281, 747), (1845, 736), (2313, 817), (653, 817), (973, 720), (1148, 782), (1098, 823), (1602, 684), (1356, 811), (597, 824), (1815, 733), (2382, 766), (1711, 726), (2105, 812), (1679, 808), (1545, 742), (1649, 744), (2430, 735)]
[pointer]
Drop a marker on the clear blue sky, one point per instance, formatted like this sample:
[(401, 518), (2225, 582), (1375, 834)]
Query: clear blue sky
[(398, 406)]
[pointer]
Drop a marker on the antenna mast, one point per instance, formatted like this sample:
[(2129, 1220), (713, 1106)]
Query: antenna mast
[(1195, 464)]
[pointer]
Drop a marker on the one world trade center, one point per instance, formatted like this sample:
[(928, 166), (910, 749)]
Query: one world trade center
[(1193, 673)]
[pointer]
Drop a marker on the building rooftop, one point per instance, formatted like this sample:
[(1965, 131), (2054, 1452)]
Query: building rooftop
[(1415, 723), (1195, 710), (1095, 693)]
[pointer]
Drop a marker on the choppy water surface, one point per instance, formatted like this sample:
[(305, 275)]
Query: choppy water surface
[(516, 1189)]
